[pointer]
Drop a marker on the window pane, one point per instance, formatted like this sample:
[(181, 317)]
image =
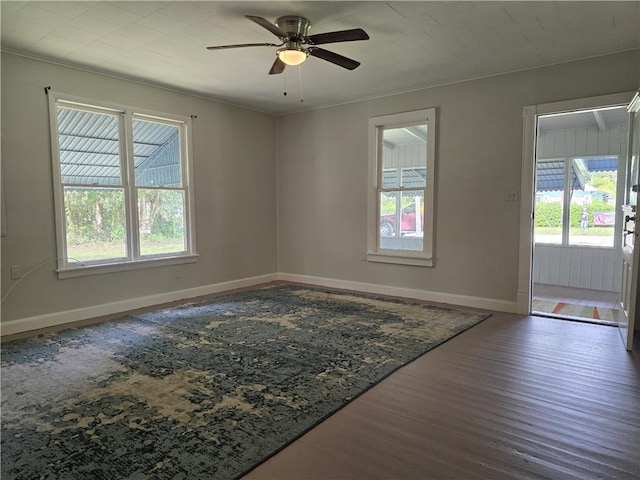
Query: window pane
[(400, 226), (593, 206), (95, 224), (404, 151), (156, 151), (414, 177), (390, 178), (89, 147), (162, 221), (388, 209), (549, 199), (406, 148)]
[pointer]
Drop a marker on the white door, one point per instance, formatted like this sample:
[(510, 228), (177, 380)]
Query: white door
[(630, 254)]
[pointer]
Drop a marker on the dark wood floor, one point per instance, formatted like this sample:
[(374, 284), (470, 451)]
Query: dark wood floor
[(512, 398)]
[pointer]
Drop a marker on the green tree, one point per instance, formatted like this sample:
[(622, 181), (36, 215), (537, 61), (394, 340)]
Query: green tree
[(162, 213), (548, 214), (94, 215), (605, 182), (98, 215)]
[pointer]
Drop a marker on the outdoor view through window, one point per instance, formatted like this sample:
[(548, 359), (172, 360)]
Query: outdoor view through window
[(580, 192), (579, 176), (404, 172), (95, 159), (401, 203)]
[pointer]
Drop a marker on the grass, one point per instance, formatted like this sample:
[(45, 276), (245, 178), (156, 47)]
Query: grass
[(577, 231), (102, 251)]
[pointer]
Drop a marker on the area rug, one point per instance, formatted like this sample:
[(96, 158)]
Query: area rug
[(570, 310), (202, 391)]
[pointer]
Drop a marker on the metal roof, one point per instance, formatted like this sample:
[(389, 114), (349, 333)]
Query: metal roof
[(411, 177), (550, 173), (550, 176), (603, 164), (90, 150)]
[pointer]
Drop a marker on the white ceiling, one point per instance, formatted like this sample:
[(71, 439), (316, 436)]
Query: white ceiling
[(413, 44)]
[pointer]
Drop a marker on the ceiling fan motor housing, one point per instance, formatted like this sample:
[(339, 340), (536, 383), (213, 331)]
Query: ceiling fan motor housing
[(296, 28), (297, 44)]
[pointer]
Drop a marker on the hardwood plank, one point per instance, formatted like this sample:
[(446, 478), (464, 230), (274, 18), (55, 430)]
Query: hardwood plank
[(506, 434), (512, 398)]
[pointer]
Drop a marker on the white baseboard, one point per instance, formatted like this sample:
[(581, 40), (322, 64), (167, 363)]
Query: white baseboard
[(69, 316), (437, 297), (523, 303), (22, 325)]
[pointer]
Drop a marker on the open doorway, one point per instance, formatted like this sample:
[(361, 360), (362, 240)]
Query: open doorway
[(579, 184)]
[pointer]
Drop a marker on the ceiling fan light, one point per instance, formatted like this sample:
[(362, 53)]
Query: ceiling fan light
[(292, 56)]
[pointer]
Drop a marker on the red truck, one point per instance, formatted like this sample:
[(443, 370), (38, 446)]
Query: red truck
[(407, 222)]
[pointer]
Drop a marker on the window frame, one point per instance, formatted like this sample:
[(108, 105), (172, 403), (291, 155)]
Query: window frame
[(377, 125), (125, 114)]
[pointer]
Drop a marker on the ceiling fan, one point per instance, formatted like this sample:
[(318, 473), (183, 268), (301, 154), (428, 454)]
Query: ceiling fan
[(296, 44)]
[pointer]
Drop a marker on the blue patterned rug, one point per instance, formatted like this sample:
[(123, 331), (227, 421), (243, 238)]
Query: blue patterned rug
[(206, 390)]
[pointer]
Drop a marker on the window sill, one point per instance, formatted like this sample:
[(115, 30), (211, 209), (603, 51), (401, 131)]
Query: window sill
[(86, 270), (399, 259), (607, 247)]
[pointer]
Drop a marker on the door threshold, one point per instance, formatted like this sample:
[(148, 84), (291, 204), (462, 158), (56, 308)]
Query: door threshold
[(595, 321)]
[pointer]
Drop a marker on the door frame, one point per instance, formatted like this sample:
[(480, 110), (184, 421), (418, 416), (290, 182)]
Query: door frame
[(630, 314), (527, 186)]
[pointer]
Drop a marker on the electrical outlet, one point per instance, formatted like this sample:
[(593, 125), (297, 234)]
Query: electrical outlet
[(512, 196), (16, 272)]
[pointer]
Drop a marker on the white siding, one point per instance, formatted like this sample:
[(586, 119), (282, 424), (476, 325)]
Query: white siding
[(580, 267), (405, 156), (576, 142)]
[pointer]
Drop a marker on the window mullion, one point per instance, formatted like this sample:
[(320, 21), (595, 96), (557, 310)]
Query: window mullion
[(58, 190), (186, 186), (186, 149), (399, 189), (128, 177), (566, 202), (379, 187)]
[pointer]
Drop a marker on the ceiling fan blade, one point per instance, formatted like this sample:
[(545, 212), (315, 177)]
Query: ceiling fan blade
[(242, 45), (339, 36), (263, 22), (332, 57), (277, 67)]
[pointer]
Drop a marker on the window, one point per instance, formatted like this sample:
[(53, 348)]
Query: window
[(401, 199), (122, 187), (576, 201)]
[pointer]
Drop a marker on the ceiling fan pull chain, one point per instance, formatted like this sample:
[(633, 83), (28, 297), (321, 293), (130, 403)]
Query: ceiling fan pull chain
[(300, 82), (285, 83)]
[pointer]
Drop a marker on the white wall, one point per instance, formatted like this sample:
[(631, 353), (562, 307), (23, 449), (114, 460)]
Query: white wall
[(235, 184), (322, 180), (304, 215)]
